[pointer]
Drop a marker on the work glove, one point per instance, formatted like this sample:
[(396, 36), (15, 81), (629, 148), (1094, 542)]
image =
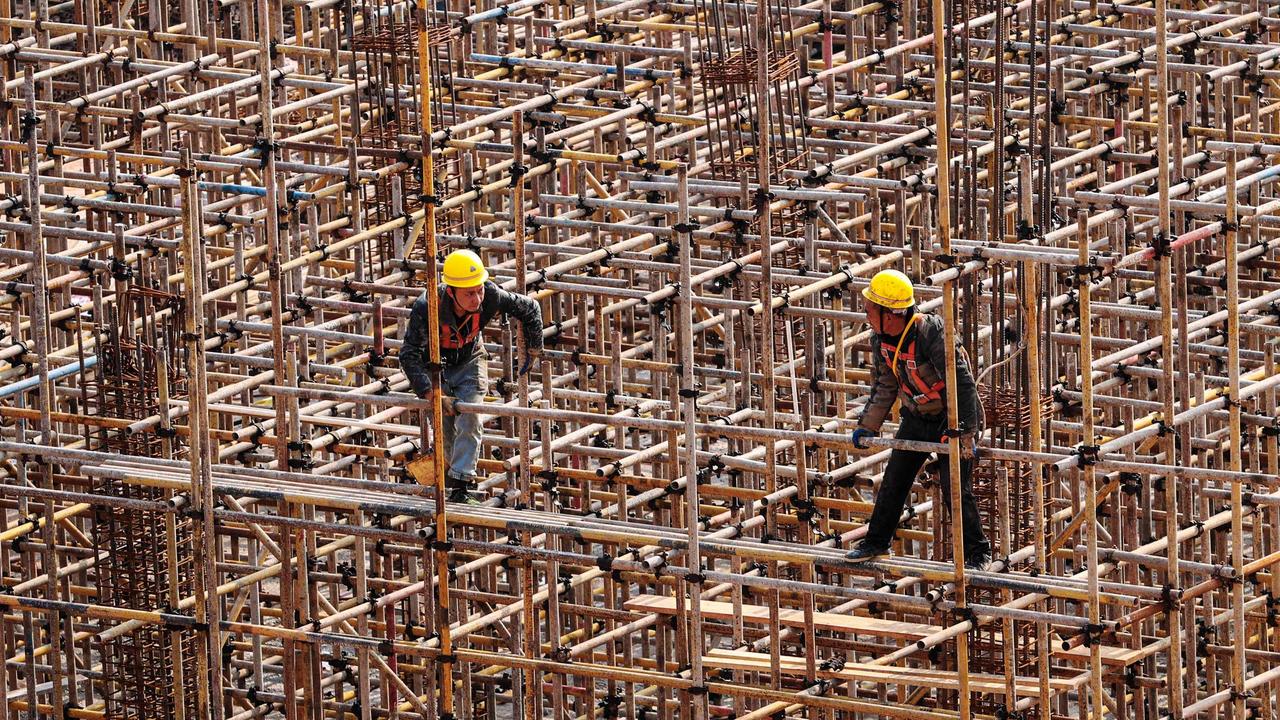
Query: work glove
[(861, 433), (969, 449), (530, 359), (449, 405)]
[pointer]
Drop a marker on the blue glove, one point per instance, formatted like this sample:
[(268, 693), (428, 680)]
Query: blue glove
[(861, 433), (530, 360)]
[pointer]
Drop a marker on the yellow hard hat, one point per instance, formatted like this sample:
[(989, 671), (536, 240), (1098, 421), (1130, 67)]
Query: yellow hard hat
[(891, 289), (463, 269)]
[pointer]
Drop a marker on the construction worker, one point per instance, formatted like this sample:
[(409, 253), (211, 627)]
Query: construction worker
[(468, 301), (910, 365)]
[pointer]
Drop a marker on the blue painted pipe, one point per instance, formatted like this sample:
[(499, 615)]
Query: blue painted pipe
[(65, 370), (254, 190)]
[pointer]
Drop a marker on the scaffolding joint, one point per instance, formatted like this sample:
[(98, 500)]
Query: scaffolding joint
[(1092, 634), (762, 197), (120, 270), (550, 481), (890, 9), (301, 304), (353, 294), (965, 614), (609, 705), (1237, 695), (805, 508), (266, 148), (1088, 454), (29, 120), (648, 114), (1085, 272)]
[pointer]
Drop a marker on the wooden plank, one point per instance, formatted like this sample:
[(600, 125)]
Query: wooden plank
[(1111, 655), (759, 615)]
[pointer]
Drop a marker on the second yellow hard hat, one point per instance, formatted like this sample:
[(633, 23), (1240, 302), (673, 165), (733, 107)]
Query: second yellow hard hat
[(891, 289)]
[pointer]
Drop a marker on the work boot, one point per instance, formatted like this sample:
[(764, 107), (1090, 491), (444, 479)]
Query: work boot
[(460, 489), (866, 551), (977, 559)]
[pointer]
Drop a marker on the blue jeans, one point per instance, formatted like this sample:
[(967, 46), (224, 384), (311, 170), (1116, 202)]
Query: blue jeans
[(468, 382)]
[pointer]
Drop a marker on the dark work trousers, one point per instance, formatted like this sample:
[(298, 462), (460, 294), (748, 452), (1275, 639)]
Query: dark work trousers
[(900, 473)]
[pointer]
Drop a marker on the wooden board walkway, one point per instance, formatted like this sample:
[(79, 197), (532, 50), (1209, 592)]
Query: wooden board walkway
[(1111, 655)]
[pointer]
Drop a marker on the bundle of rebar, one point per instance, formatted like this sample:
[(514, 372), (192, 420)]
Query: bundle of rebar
[(217, 215)]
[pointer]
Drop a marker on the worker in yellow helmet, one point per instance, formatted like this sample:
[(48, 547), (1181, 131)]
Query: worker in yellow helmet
[(909, 364), (468, 301)]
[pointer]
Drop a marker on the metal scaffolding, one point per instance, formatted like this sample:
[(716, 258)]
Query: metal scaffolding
[(217, 214)]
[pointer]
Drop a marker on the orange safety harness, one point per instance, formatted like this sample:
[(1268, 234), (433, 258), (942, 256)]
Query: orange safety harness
[(922, 392), (457, 337), (463, 332)]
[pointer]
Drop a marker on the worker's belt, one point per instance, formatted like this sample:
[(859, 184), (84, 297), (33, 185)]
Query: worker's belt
[(456, 358)]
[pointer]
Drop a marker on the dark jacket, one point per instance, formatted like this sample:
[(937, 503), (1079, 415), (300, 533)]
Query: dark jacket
[(921, 378), (461, 334)]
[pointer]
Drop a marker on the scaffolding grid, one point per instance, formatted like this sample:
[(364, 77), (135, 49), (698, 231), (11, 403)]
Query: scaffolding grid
[(215, 218)]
